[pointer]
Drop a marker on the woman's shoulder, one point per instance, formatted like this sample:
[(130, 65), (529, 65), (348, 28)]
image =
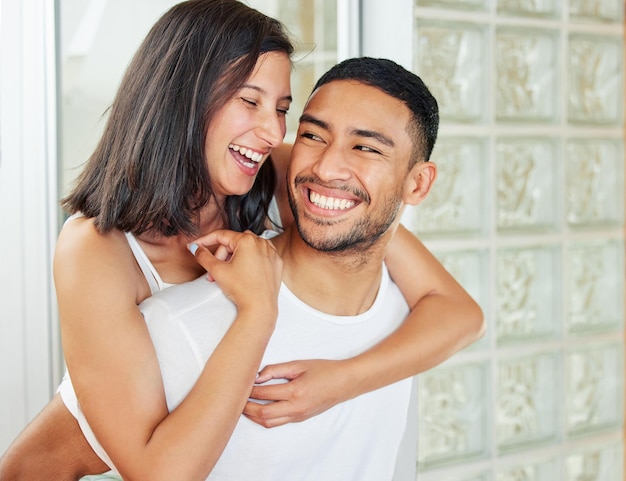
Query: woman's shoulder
[(82, 242), (83, 253), (80, 231)]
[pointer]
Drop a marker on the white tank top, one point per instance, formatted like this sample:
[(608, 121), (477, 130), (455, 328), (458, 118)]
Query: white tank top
[(356, 440), (152, 276)]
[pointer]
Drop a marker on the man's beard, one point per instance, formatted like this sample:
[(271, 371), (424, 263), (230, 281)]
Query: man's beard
[(362, 236)]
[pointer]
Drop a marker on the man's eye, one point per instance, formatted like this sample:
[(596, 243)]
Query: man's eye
[(309, 135), (365, 148), (282, 111)]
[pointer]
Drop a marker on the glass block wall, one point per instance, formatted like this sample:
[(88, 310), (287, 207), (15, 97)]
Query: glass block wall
[(528, 213)]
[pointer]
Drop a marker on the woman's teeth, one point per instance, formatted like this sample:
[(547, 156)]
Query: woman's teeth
[(249, 153)]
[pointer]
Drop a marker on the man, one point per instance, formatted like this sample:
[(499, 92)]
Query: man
[(360, 156)]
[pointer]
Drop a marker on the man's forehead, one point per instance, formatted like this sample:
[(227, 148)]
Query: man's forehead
[(355, 104), (339, 87)]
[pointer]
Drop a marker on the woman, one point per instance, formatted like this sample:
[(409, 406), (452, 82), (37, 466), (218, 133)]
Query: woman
[(184, 152)]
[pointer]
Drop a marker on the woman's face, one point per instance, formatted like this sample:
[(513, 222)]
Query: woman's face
[(243, 132)]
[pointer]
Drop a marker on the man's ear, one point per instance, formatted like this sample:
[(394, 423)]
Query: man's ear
[(419, 182)]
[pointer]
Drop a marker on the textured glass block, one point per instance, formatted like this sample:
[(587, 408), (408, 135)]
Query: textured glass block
[(311, 22), (470, 269), (452, 414), (527, 290), (456, 204), (526, 179), (451, 59), (526, 76), (528, 393), (531, 470), (598, 10), (595, 79), (533, 8), (594, 389), (595, 286), (483, 476), (460, 4), (603, 463), (594, 182)]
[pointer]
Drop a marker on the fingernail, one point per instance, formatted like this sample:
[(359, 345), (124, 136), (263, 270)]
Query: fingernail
[(193, 247)]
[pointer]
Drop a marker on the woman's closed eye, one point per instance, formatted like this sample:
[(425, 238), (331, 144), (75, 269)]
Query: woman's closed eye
[(282, 111), (247, 101)]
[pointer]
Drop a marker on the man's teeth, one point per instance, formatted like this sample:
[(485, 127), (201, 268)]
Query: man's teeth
[(329, 202), (251, 154)]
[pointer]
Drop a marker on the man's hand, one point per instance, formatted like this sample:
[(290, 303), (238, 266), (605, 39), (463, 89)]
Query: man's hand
[(312, 387)]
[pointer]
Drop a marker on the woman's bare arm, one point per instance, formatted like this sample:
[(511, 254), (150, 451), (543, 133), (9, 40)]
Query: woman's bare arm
[(114, 368)]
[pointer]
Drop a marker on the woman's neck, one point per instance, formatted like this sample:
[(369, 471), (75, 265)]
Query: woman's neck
[(211, 217), (169, 255)]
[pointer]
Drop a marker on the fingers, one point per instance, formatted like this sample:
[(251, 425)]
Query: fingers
[(204, 257), (227, 243), (236, 256), (222, 253), (225, 240), (224, 237), (268, 415), (272, 392), (285, 370)]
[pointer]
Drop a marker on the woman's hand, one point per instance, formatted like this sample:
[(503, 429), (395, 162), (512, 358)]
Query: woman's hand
[(247, 268), (312, 387)]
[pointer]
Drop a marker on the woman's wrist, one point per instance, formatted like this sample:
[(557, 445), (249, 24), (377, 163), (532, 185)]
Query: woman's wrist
[(258, 314)]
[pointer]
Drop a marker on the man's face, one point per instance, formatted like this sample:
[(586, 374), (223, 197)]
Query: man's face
[(349, 166)]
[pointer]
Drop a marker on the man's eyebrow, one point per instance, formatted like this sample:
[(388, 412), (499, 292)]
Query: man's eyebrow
[(372, 134), (262, 91), (383, 139), (315, 121)]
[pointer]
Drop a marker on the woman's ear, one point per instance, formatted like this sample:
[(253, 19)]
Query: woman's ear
[(419, 182)]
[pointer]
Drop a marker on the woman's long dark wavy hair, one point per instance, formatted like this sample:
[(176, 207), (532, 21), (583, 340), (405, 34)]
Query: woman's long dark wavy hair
[(148, 172)]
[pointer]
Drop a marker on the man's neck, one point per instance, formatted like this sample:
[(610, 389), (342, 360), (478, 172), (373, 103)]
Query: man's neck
[(343, 284)]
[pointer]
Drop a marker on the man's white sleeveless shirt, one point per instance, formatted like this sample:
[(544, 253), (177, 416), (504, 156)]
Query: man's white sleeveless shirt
[(355, 440)]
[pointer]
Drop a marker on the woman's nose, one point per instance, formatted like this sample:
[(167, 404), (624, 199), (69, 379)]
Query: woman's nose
[(272, 129)]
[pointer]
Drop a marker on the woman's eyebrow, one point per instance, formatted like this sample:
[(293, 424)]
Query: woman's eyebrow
[(263, 91)]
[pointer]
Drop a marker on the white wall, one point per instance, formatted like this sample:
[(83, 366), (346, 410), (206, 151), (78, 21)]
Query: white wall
[(28, 214)]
